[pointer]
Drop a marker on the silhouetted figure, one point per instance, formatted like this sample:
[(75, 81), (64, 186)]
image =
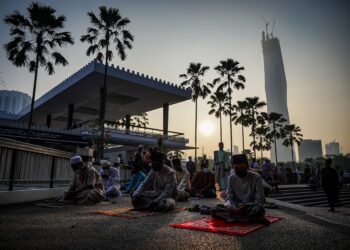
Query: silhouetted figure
[(330, 183), (307, 173), (190, 166)]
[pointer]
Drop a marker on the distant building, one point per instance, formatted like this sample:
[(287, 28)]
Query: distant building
[(235, 150), (12, 102), (310, 149), (275, 87), (333, 148)]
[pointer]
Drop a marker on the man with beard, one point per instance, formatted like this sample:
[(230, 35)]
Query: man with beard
[(245, 194), (158, 191), (86, 186)]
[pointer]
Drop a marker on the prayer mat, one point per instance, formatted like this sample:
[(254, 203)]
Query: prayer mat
[(129, 213), (223, 227), (58, 204)]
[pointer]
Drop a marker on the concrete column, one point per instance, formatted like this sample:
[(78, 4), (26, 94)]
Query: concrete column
[(165, 118), (48, 121), (70, 116), (127, 125)]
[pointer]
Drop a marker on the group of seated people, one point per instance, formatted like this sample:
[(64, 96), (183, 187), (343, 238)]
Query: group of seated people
[(164, 185)]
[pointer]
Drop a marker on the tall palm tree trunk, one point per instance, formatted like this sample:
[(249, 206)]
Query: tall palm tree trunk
[(242, 134), (103, 107), (230, 123), (33, 99), (274, 132), (195, 136), (261, 150), (253, 132), (292, 155), (220, 126)]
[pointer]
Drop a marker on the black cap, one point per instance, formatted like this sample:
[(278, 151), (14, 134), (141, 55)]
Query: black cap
[(239, 159)]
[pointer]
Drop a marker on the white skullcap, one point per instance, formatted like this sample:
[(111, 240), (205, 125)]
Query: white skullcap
[(75, 159), (105, 163)]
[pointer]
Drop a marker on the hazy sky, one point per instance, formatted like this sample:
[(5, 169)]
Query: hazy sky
[(314, 37)]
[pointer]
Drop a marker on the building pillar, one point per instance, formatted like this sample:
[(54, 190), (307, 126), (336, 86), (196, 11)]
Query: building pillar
[(70, 116), (48, 121), (127, 124), (165, 119)]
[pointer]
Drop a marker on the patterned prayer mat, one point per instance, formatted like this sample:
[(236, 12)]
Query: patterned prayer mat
[(223, 227), (129, 213)]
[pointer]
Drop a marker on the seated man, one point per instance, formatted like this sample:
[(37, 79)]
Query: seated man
[(245, 194), (183, 181), (86, 186), (203, 184), (110, 179), (161, 181), (137, 178)]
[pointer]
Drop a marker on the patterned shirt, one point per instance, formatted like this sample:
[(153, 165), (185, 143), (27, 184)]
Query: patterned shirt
[(162, 183)]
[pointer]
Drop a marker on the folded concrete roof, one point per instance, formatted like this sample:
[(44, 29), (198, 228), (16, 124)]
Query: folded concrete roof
[(128, 92)]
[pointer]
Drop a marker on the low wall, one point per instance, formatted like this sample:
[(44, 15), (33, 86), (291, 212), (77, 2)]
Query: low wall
[(20, 196)]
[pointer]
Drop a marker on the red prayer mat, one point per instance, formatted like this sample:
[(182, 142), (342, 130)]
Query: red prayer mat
[(223, 227), (129, 213)]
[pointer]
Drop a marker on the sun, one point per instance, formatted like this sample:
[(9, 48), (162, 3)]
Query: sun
[(207, 127)]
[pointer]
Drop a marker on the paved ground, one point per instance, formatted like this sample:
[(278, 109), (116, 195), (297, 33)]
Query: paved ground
[(27, 226)]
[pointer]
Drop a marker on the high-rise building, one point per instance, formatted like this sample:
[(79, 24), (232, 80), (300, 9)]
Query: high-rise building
[(235, 150), (275, 87), (12, 102), (310, 149), (333, 148)]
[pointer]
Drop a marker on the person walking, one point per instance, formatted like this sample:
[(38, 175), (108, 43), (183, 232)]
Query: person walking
[(330, 183)]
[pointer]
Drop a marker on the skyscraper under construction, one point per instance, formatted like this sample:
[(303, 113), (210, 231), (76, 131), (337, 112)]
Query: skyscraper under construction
[(275, 87)]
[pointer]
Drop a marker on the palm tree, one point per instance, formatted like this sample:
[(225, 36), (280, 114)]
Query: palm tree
[(108, 27), (292, 135), (217, 100), (194, 75), (276, 121), (231, 79), (262, 134), (253, 104), (34, 43), (239, 116), (140, 120), (176, 154)]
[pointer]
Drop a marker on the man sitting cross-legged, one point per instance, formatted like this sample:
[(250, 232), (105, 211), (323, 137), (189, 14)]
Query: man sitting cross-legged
[(245, 194), (183, 181), (161, 181), (86, 186)]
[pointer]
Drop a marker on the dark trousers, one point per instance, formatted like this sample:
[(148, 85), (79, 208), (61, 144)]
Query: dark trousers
[(251, 213), (144, 200), (332, 196)]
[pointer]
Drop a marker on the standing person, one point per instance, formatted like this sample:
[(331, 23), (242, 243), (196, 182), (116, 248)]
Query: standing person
[(204, 162), (138, 159), (158, 191), (298, 175), (221, 168), (330, 183), (254, 164), (191, 167), (86, 186), (111, 179), (307, 173)]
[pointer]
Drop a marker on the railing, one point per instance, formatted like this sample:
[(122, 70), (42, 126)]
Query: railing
[(116, 127), (26, 163)]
